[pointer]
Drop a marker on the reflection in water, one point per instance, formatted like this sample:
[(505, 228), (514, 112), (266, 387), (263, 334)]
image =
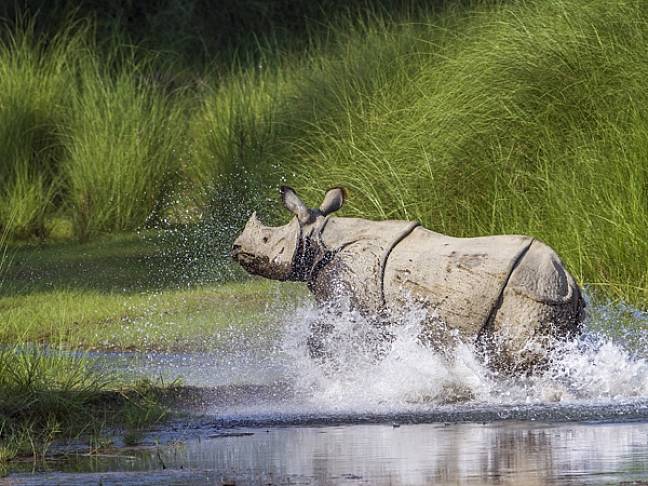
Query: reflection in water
[(496, 453)]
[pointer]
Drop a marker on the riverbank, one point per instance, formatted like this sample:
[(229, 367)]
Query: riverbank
[(48, 397)]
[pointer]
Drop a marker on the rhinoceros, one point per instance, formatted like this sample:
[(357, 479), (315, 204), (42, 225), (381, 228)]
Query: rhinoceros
[(509, 294)]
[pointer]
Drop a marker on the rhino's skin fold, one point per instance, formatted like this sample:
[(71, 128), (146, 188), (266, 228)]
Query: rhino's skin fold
[(509, 294)]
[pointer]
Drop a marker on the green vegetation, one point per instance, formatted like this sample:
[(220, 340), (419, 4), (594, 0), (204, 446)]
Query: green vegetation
[(48, 395), (85, 135), (476, 118), (29, 132), (122, 143), (51, 392), (129, 293)]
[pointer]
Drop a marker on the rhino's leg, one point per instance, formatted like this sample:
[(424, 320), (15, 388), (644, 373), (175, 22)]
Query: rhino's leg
[(520, 333), (317, 339), (540, 304)]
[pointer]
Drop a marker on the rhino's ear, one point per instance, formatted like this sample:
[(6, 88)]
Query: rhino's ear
[(333, 200), (294, 204)]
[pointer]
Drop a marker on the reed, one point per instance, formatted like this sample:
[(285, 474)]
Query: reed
[(33, 83)]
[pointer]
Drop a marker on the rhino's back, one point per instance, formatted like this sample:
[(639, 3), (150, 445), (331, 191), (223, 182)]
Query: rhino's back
[(461, 279), (361, 247)]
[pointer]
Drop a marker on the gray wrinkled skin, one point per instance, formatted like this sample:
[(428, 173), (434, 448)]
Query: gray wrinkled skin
[(511, 295)]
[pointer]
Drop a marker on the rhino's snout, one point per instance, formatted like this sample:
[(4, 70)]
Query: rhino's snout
[(267, 251), (235, 251), (248, 260)]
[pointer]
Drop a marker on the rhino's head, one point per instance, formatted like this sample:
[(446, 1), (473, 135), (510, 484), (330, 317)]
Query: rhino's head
[(285, 252)]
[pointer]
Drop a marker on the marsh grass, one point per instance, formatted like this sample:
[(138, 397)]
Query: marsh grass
[(33, 84), (233, 129), (508, 118), (51, 393), (125, 141), (87, 131)]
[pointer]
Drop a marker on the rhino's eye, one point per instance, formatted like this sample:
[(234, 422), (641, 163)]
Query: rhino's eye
[(265, 239)]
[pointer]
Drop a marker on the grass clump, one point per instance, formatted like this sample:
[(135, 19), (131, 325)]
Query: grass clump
[(48, 394), (233, 130), (86, 133), (33, 84), (124, 144)]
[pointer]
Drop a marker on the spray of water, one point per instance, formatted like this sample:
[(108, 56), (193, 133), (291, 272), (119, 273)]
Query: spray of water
[(364, 372), (386, 369)]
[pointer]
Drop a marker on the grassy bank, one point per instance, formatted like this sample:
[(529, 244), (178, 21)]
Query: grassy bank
[(133, 292), (51, 393), (48, 395)]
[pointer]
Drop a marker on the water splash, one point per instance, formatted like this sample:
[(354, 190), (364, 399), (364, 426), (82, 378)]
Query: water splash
[(598, 367), (273, 375)]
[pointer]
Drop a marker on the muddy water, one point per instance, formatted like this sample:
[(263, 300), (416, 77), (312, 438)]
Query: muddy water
[(268, 414)]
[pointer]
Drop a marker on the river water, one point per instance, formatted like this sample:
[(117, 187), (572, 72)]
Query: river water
[(266, 413), (505, 452)]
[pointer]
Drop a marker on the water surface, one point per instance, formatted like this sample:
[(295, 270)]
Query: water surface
[(268, 414), (507, 452)]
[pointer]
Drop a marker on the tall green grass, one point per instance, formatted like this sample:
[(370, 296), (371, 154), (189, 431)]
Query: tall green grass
[(233, 129), (86, 132), (479, 118), (514, 118), (125, 141), (33, 85)]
